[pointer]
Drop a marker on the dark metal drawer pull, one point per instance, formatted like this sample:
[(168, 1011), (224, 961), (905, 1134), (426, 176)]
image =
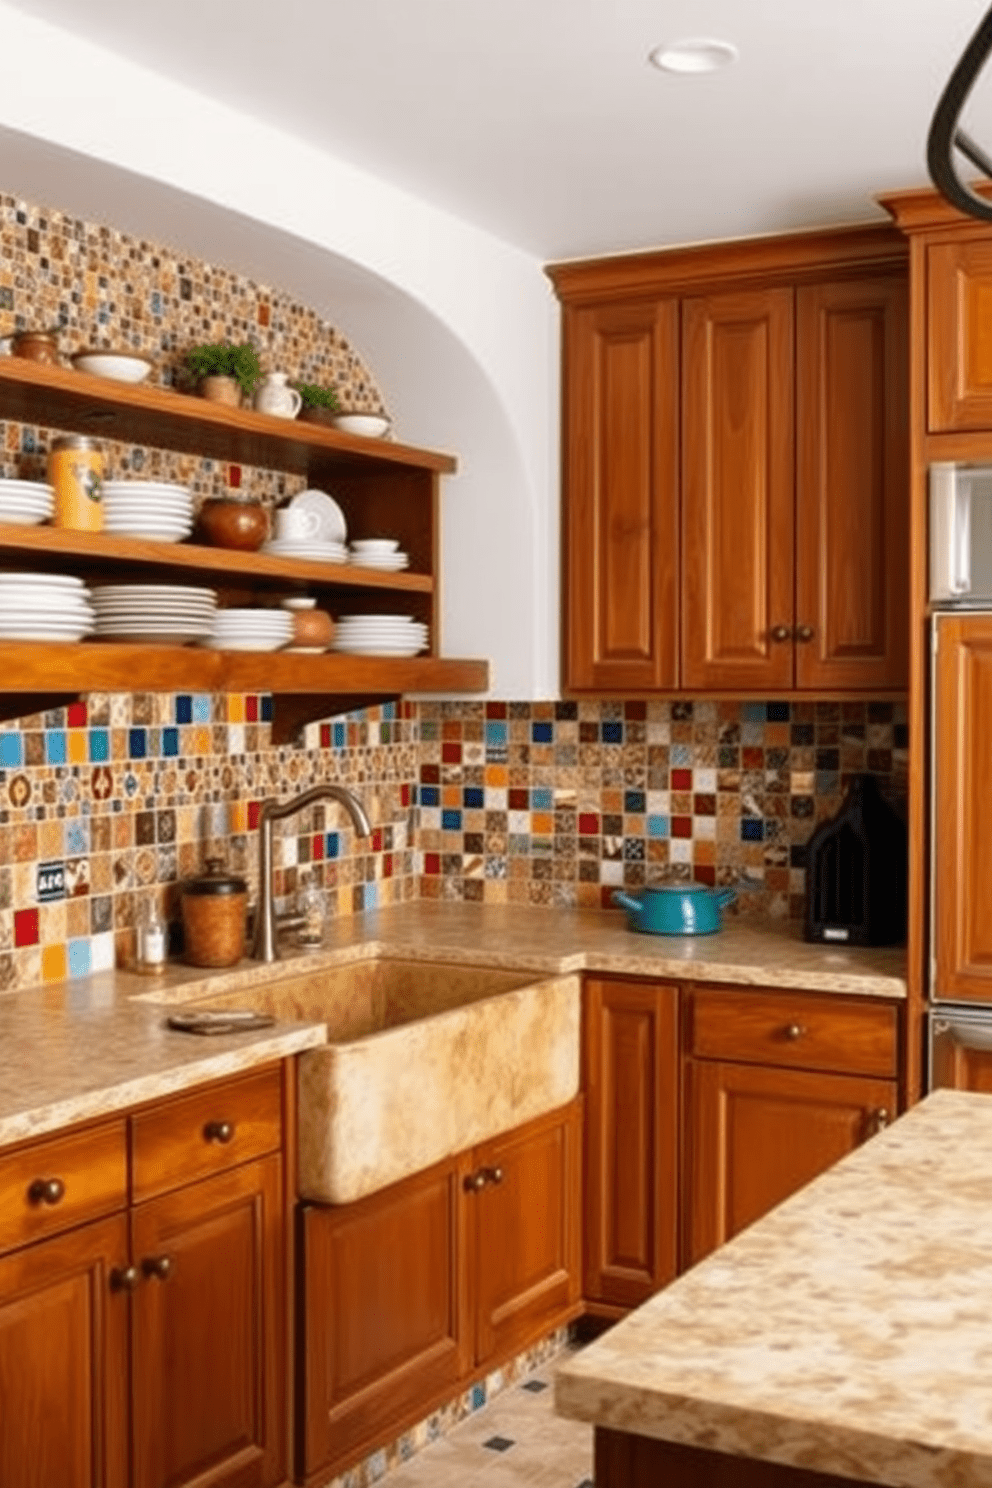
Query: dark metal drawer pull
[(46, 1191), (124, 1278), (219, 1131), (157, 1266)]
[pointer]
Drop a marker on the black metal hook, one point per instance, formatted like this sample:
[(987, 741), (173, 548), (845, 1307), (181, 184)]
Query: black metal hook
[(945, 135)]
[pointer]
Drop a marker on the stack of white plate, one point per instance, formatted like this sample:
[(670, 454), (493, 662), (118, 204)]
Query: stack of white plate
[(44, 607), (250, 630), (307, 548), (150, 509), (25, 503), (154, 614), (379, 552), (379, 635)]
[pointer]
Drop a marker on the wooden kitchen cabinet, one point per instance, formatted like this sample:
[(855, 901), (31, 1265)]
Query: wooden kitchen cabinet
[(620, 454), (738, 490), (631, 1082), (147, 1347), (961, 949), (209, 1333), (959, 334), (788, 386), (410, 1293), (64, 1361), (771, 1102)]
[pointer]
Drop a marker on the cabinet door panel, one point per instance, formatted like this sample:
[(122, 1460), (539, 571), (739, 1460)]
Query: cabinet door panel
[(959, 358), (962, 932), (64, 1362), (621, 496), (383, 1312), (756, 1135), (852, 499), (209, 1338), (737, 490), (631, 1188), (525, 1233)]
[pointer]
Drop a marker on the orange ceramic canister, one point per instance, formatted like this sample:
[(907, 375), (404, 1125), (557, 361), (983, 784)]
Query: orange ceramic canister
[(75, 471)]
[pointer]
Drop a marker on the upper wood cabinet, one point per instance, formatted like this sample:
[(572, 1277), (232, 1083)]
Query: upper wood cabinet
[(737, 490), (959, 314), (756, 404), (621, 519)]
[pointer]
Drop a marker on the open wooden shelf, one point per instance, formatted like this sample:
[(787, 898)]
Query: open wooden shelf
[(190, 563), (43, 674), (35, 393), (384, 488)]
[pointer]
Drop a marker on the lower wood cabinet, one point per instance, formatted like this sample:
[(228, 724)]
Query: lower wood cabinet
[(64, 1361), (766, 1107), (409, 1293), (147, 1348), (631, 1081)]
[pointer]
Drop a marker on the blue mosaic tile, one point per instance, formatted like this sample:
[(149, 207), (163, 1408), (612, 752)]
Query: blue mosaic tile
[(473, 797), (55, 746), (332, 845), (99, 746), (265, 708), (634, 802), (79, 958), (137, 743), (430, 795), (658, 826), (11, 750), (451, 821), (170, 742), (542, 799), (754, 712), (496, 732), (339, 735), (201, 707), (613, 732), (542, 733), (184, 708), (752, 830)]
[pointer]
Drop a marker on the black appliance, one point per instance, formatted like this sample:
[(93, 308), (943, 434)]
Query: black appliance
[(856, 871)]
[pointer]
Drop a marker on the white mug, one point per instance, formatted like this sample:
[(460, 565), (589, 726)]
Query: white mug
[(293, 526)]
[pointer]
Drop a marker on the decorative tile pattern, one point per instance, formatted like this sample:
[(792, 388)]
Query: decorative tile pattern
[(561, 803)]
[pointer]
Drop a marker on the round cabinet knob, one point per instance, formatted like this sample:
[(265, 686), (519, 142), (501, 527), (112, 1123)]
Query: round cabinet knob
[(219, 1131), (124, 1278), (880, 1119), (496, 1175), (158, 1266), (781, 633), (475, 1181), (795, 1031), (805, 633), (46, 1191)]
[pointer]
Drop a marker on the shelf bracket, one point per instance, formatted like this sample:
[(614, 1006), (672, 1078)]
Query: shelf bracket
[(292, 711), (23, 704)]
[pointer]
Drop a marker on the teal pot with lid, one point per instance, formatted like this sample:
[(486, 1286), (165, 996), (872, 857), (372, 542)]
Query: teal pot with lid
[(675, 909)]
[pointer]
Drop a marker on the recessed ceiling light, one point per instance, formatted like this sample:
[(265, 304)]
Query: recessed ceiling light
[(694, 54)]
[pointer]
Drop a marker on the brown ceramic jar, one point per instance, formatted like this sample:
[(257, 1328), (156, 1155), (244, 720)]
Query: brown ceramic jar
[(37, 346), (215, 913), (227, 522), (313, 629)]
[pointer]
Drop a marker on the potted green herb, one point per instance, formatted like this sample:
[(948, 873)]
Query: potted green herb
[(319, 403), (224, 372)]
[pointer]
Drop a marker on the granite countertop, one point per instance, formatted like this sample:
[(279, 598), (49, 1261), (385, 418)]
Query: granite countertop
[(75, 1050), (847, 1332)]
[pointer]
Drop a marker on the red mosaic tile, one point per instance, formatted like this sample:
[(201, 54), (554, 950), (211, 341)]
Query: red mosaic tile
[(588, 824), (432, 863), (251, 709), (518, 800), (25, 927), (387, 865), (317, 847), (75, 715), (404, 794), (704, 875), (681, 780), (234, 476), (451, 754), (377, 839), (254, 807), (753, 758), (496, 710), (681, 826)]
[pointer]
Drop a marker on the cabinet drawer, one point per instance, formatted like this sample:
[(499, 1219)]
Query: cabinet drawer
[(205, 1132), (796, 1029), (85, 1175)]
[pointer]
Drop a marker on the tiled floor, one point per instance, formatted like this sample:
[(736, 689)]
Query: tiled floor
[(516, 1442)]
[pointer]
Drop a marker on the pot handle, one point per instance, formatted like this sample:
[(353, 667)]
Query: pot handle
[(619, 897), (725, 897)]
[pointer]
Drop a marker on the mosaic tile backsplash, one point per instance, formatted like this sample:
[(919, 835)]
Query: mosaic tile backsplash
[(105, 288), (110, 803)]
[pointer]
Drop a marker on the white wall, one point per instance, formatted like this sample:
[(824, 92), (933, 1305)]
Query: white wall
[(459, 328)]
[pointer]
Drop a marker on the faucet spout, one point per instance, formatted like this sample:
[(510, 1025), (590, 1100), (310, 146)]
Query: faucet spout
[(266, 941)]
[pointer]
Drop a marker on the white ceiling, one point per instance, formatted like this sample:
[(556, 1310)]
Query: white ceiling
[(541, 121)]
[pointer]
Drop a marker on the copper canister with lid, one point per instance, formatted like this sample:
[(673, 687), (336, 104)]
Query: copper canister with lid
[(75, 472), (215, 913)]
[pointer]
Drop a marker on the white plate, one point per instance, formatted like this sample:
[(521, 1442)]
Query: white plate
[(22, 519), (146, 488), (327, 523), (149, 591), (178, 636), (37, 633), (356, 649), (392, 565), (150, 534), (52, 581), (44, 599), (233, 643), (26, 487)]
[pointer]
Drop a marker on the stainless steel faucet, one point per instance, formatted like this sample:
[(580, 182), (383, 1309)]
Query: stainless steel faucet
[(266, 941)]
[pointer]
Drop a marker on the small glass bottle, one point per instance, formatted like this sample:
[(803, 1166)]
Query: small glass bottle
[(310, 904), (152, 940)]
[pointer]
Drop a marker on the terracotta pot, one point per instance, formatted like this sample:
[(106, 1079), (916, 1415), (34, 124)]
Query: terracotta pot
[(233, 524), (323, 416), (313, 629), (220, 390), (37, 346)]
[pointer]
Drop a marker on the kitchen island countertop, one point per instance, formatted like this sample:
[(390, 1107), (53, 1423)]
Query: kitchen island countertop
[(848, 1332), (75, 1050)]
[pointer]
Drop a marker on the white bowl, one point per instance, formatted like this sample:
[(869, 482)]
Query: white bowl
[(375, 545), (120, 366), (370, 425)]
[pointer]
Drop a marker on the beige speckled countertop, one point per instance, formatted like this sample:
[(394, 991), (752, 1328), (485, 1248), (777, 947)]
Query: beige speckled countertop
[(80, 1049), (848, 1332)]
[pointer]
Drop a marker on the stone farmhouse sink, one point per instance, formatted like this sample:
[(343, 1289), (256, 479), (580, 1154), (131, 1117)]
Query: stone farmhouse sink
[(423, 1060)]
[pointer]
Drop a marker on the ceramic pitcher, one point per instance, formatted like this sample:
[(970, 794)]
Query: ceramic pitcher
[(274, 395)]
